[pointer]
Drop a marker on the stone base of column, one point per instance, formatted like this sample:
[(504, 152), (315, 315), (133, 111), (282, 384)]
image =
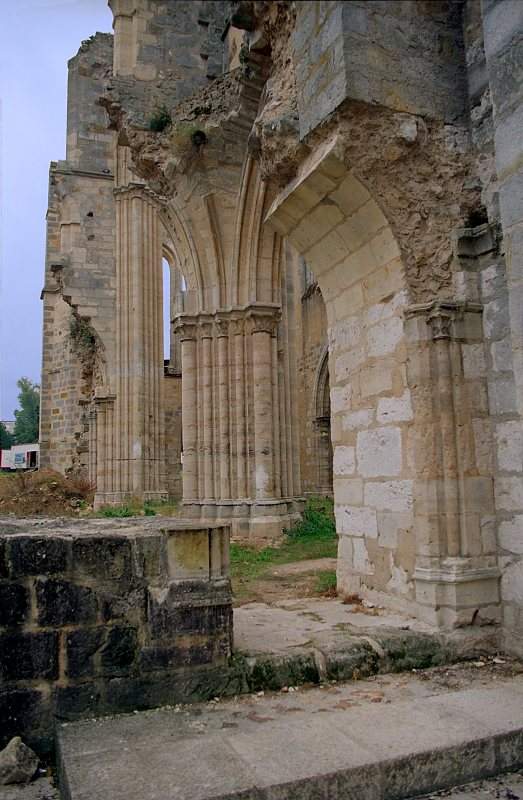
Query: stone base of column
[(102, 499), (457, 593), (249, 519)]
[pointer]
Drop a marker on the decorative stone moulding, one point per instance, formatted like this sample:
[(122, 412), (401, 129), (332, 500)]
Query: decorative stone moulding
[(456, 575)]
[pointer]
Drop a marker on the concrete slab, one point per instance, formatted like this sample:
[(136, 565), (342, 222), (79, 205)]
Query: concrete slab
[(389, 737), (279, 628)]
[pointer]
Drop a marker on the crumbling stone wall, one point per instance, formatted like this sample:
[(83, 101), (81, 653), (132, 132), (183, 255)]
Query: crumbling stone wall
[(99, 619)]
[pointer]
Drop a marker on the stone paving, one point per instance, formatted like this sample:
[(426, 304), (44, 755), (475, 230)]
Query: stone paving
[(304, 623), (391, 736)]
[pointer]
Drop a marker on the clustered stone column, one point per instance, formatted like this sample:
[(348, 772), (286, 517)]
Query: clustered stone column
[(232, 450), (132, 465), (456, 572)]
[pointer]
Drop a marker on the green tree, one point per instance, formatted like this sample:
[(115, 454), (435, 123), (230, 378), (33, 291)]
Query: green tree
[(7, 439), (27, 416)]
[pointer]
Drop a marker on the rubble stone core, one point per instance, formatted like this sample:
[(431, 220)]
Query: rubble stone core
[(337, 190)]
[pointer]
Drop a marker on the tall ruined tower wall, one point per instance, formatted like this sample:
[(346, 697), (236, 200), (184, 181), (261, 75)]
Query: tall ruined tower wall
[(79, 289)]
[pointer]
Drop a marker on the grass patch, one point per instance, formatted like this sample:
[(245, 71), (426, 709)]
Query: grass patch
[(150, 508), (317, 522), (116, 511), (313, 537), (326, 583)]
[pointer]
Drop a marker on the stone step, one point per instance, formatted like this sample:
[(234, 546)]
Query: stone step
[(256, 749)]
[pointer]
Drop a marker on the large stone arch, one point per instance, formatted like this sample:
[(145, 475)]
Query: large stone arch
[(411, 500), (330, 217)]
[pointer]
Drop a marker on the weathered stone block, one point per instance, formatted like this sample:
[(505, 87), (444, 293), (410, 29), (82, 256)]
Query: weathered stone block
[(188, 555), (120, 650), (168, 617), (356, 521), (344, 460), (64, 603), (379, 452), (31, 555), (14, 604), (103, 558), (81, 646), (509, 439), (511, 535), (31, 656), (395, 409), (389, 495), (72, 702), (20, 710), (130, 605)]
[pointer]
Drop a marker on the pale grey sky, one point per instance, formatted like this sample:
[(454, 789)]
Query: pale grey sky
[(37, 37)]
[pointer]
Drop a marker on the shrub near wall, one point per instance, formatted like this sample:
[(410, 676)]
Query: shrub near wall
[(116, 620)]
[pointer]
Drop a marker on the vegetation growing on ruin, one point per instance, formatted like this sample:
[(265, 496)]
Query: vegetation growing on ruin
[(82, 335), (160, 119), (185, 137)]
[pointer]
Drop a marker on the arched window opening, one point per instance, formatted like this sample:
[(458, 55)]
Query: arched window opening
[(166, 274), (323, 427)]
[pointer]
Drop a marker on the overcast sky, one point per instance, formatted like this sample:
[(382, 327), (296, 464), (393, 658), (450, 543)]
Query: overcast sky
[(37, 37)]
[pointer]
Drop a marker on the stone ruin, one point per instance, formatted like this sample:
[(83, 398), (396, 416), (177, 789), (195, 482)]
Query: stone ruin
[(337, 190)]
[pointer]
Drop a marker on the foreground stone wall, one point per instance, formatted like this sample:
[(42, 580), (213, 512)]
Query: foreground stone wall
[(98, 618)]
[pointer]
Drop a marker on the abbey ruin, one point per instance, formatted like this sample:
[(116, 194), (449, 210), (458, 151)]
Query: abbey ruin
[(337, 190)]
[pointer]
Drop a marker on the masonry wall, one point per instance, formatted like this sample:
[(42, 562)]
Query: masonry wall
[(502, 33), (407, 56), (98, 620)]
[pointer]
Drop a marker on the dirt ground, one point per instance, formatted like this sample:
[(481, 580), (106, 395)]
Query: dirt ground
[(43, 493), (296, 579)]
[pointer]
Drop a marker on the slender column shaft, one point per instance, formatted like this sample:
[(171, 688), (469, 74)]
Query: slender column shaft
[(190, 419), (241, 467), (208, 476), (263, 433), (139, 422), (448, 445), (223, 392)]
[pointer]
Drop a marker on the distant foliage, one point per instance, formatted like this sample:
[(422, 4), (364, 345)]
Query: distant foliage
[(160, 120), (7, 439), (27, 417)]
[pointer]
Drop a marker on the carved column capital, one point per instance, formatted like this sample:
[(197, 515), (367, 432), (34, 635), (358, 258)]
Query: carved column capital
[(221, 327), (187, 330), (206, 329), (264, 321), (448, 319), (440, 322), (237, 326)]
